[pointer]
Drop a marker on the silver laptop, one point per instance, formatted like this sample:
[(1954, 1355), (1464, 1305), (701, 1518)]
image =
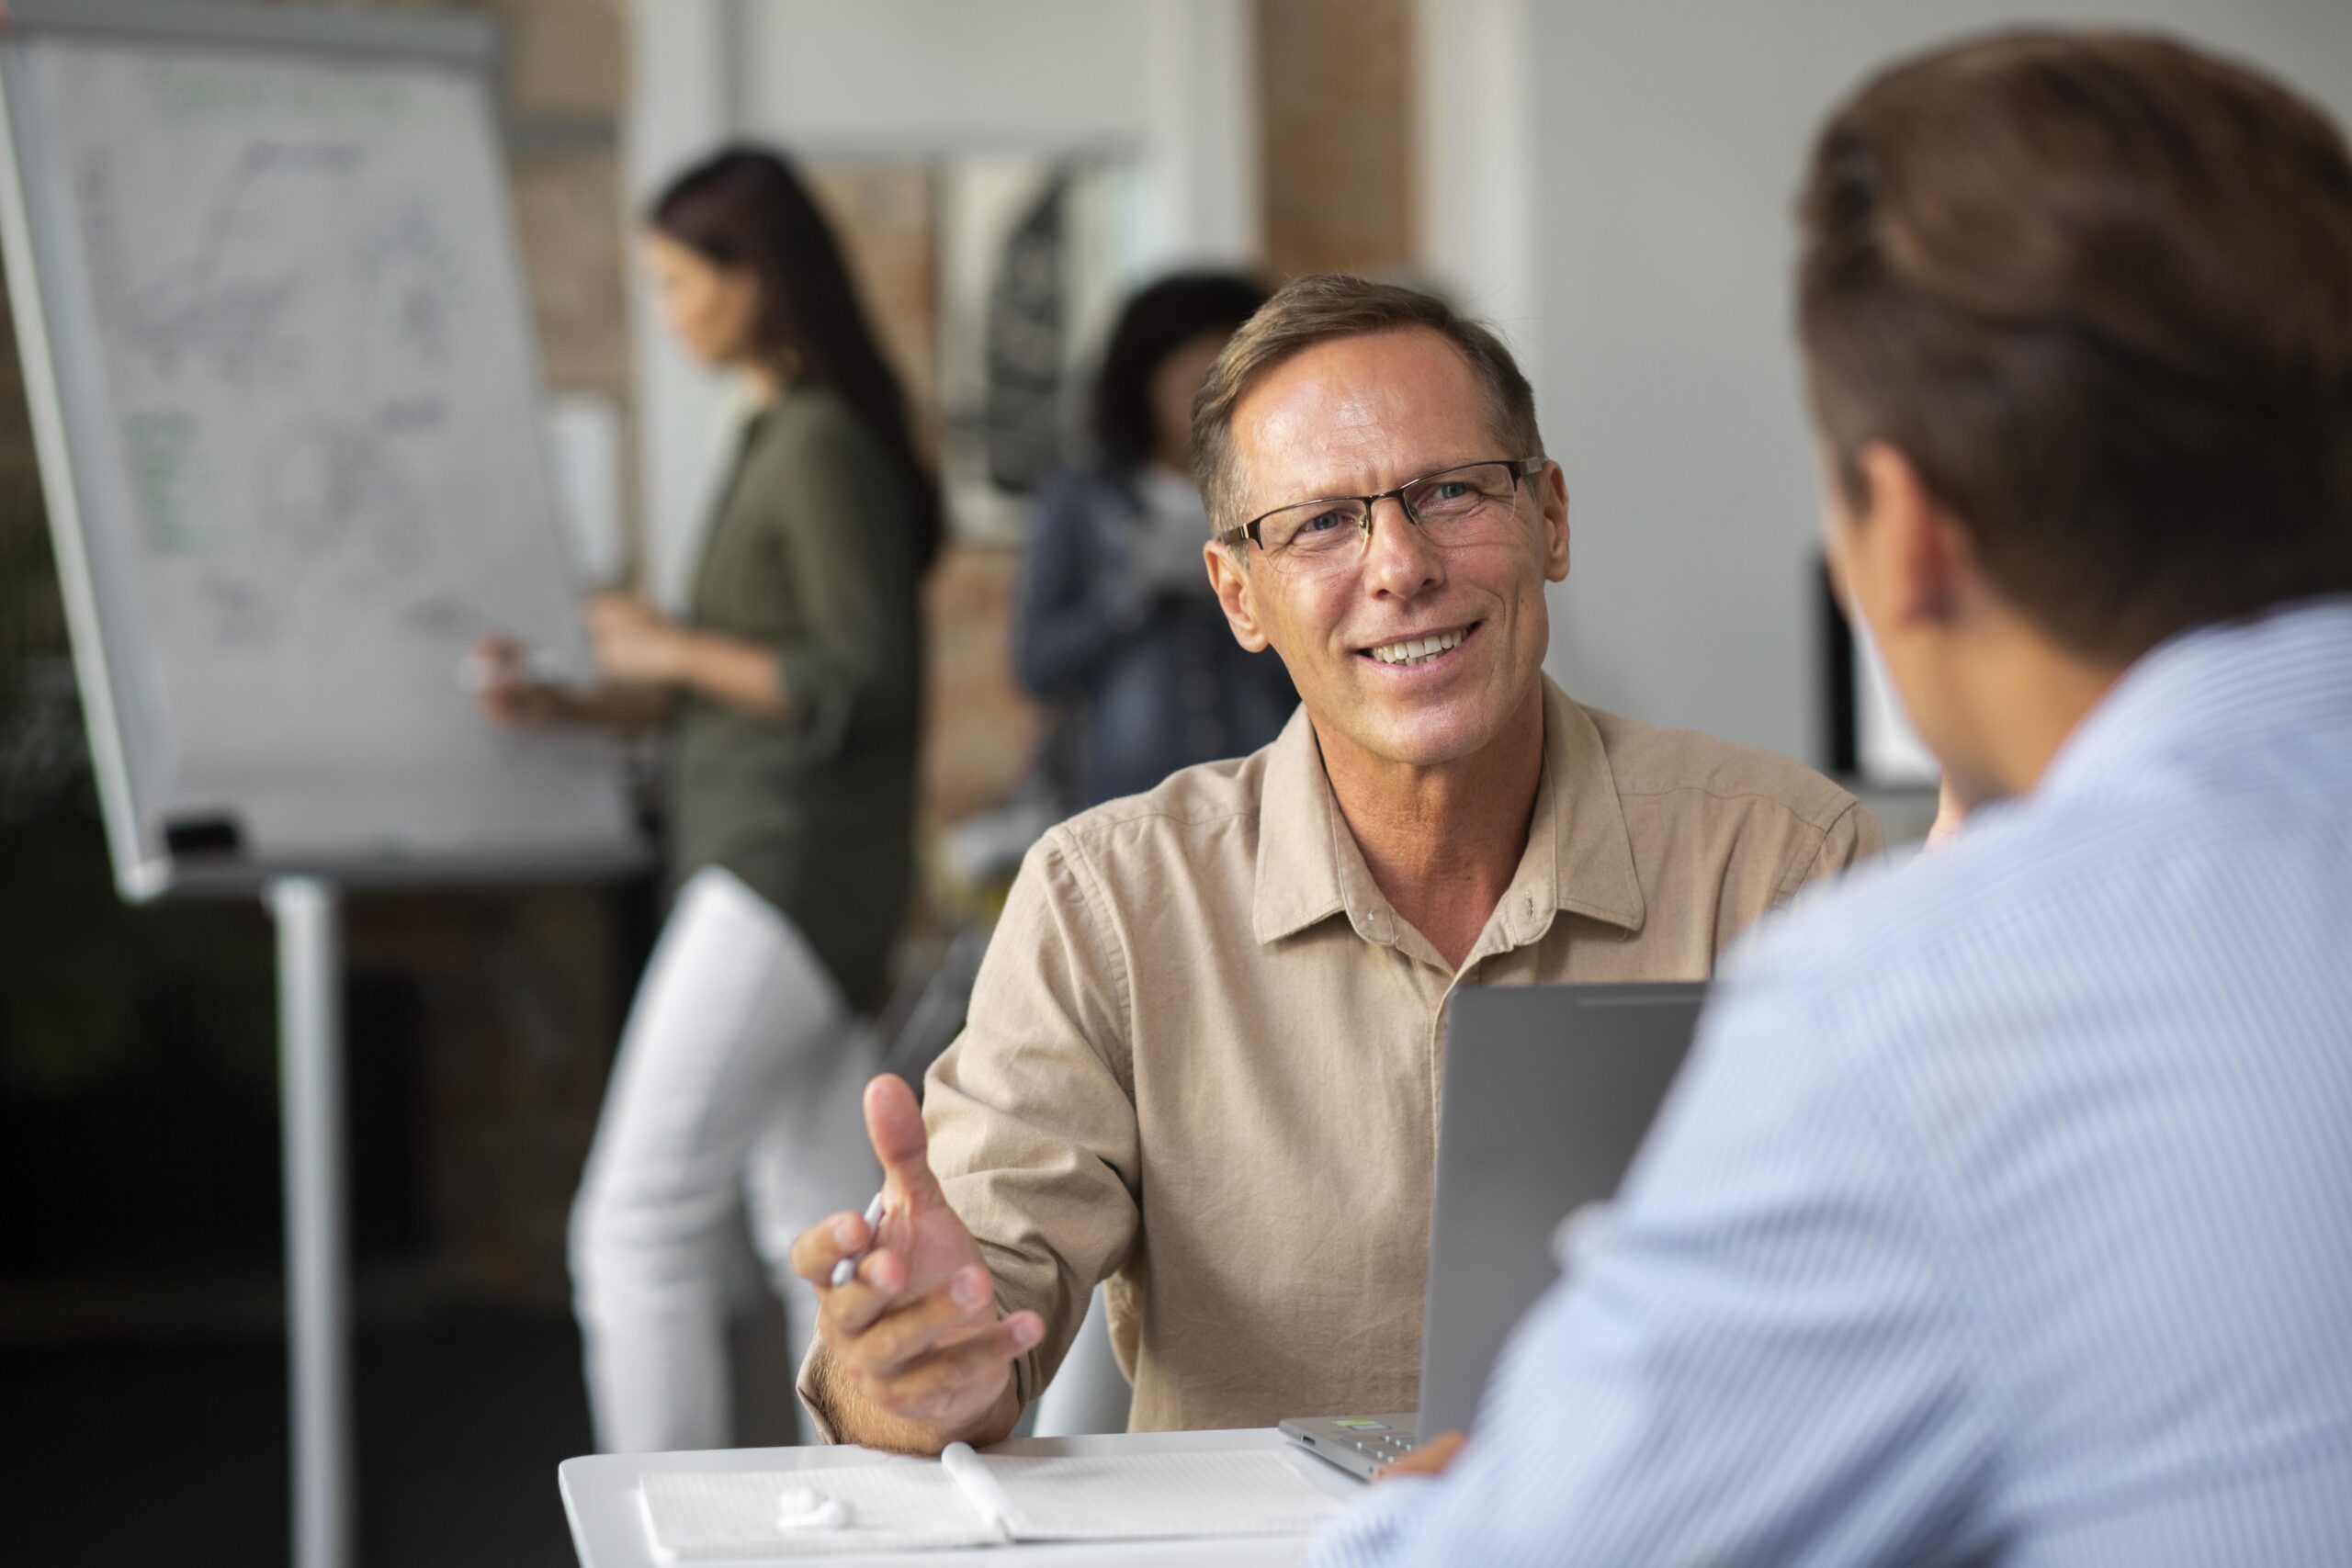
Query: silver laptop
[(1548, 1093)]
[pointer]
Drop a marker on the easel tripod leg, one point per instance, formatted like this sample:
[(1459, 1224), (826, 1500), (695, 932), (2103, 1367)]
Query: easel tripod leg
[(310, 1001)]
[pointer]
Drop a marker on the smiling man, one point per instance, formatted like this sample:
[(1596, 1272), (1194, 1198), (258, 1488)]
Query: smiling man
[(1203, 1054)]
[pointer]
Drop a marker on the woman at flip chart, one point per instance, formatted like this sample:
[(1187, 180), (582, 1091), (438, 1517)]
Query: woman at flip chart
[(793, 690)]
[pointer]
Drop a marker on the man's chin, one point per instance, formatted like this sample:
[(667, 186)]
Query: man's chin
[(1430, 737)]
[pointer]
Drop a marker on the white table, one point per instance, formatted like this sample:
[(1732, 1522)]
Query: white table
[(608, 1527)]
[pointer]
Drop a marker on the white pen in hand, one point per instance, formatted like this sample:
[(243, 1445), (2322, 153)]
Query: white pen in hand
[(479, 671), (847, 1270)]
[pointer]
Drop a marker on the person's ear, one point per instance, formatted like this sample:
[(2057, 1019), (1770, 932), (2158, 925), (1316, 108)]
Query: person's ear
[(1904, 553), (1551, 488), (1231, 575)]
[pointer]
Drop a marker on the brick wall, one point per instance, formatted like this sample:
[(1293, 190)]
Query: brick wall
[(980, 731), (1336, 104)]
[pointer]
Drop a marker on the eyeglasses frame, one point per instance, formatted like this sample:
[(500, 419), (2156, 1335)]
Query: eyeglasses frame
[(1520, 468)]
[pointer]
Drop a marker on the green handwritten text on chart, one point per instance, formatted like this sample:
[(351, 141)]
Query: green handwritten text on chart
[(161, 453)]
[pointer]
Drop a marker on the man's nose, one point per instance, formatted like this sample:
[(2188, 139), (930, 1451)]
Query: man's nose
[(1400, 560)]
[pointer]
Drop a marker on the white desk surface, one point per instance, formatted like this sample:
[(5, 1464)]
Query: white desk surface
[(609, 1526)]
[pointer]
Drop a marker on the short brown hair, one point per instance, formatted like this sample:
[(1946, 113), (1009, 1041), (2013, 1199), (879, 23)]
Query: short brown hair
[(2097, 288), (1320, 307)]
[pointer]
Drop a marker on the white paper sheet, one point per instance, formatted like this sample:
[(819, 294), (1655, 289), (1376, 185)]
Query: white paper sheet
[(730, 1517), (1247, 1492), (970, 1499)]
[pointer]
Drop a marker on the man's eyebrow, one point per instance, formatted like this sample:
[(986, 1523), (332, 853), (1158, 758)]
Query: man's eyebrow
[(1419, 473)]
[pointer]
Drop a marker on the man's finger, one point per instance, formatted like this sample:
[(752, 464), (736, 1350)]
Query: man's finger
[(825, 1243), (1951, 811), (1429, 1458), (894, 1122), (948, 1316), (942, 1378), (878, 1287)]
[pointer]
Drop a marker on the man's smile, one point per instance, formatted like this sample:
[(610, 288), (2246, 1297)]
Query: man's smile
[(1419, 648)]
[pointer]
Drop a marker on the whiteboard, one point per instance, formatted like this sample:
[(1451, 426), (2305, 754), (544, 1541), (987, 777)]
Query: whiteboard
[(285, 398)]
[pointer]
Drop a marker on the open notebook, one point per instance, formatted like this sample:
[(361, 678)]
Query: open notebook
[(972, 1499)]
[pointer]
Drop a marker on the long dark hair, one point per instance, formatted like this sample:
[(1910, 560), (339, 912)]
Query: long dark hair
[(746, 208), (1158, 322)]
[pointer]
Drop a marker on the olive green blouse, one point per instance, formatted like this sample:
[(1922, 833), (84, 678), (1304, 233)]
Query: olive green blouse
[(812, 553)]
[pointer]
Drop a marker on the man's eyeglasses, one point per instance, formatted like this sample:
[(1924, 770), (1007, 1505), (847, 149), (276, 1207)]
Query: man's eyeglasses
[(1469, 504)]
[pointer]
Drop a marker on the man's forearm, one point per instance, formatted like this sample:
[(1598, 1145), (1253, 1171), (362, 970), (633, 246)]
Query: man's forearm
[(851, 1419)]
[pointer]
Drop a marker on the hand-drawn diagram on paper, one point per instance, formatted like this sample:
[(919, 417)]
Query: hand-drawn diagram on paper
[(312, 359)]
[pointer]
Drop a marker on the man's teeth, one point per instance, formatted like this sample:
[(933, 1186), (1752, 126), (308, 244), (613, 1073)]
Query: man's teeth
[(1417, 650)]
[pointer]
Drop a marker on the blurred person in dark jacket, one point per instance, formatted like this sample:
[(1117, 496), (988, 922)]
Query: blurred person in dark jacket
[(1117, 623)]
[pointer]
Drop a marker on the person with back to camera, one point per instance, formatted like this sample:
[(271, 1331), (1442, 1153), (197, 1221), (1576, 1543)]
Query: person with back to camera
[(794, 689), (2001, 1214), (1116, 617)]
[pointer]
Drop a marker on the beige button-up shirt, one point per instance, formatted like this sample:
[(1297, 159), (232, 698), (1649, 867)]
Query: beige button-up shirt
[(1203, 1054)]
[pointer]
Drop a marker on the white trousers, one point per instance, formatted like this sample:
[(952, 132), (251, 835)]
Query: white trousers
[(737, 1092)]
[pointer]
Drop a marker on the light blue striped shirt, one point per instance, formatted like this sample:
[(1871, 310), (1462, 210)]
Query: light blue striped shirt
[(2005, 1213)]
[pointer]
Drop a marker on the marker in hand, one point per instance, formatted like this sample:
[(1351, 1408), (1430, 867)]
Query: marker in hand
[(847, 1270), (479, 671)]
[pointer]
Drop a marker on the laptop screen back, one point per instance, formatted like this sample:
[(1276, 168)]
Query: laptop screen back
[(1548, 1092)]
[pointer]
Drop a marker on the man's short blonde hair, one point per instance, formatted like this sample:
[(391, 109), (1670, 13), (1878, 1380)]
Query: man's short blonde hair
[(1320, 307)]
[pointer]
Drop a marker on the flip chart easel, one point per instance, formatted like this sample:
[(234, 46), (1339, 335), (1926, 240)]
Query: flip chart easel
[(285, 394)]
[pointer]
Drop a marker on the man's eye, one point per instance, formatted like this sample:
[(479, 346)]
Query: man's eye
[(1447, 491), (1327, 522)]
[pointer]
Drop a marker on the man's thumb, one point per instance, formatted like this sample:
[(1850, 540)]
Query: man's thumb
[(895, 1123)]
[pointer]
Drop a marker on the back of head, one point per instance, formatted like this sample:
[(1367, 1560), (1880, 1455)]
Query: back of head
[(1324, 306), (747, 208), (2097, 288)]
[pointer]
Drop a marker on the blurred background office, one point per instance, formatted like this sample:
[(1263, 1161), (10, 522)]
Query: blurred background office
[(1609, 184)]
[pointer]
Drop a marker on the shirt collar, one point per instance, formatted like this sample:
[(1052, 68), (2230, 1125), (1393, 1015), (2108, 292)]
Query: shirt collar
[(2214, 691), (1579, 857)]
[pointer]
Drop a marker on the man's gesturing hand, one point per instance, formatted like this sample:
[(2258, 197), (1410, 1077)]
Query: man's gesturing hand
[(917, 1357)]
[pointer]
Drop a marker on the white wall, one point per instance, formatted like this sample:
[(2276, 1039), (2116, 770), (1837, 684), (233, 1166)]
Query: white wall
[(1169, 82), (1475, 127), (1659, 146), (679, 108)]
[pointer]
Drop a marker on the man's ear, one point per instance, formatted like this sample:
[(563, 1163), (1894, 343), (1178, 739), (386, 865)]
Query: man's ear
[(1915, 556), (1230, 575), (1551, 488)]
